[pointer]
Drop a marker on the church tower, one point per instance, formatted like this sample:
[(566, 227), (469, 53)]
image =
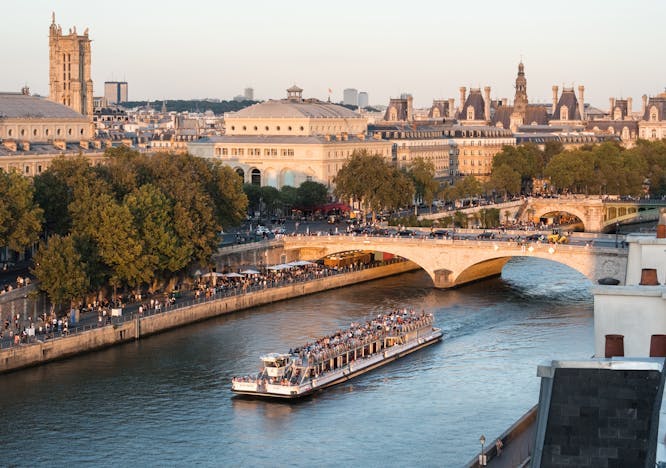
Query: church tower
[(520, 100), (69, 69)]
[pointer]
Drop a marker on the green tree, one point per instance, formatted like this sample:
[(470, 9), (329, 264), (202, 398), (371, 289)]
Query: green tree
[(288, 198), (60, 270), (373, 182), (422, 173), (271, 199), (226, 191), (253, 194), (505, 180), (20, 217), (311, 194)]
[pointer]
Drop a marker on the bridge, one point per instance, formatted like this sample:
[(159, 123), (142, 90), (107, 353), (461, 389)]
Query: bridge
[(596, 214), (454, 262)]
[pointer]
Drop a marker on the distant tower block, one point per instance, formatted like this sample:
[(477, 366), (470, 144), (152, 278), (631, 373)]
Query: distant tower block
[(248, 94), (69, 69)]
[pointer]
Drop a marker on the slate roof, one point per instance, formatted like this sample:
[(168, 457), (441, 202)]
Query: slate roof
[(281, 140), (22, 106), (474, 100), (568, 99), (294, 109), (659, 102)]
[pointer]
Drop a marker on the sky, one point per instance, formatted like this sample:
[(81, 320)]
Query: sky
[(214, 49)]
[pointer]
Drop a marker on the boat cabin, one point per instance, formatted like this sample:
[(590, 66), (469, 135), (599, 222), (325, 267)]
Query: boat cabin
[(275, 364)]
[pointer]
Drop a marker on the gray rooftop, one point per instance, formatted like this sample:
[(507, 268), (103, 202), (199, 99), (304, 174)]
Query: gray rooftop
[(286, 140), (295, 109), (21, 106)]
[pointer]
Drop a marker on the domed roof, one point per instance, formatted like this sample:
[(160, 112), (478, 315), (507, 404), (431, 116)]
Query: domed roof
[(295, 109), (23, 106)]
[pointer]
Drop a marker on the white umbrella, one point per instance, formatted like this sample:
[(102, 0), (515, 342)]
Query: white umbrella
[(212, 274), (250, 271), (233, 275)]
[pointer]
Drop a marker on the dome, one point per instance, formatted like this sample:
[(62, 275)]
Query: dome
[(311, 109), (22, 106)]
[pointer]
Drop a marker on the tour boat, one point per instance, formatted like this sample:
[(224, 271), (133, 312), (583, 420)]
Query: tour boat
[(334, 359)]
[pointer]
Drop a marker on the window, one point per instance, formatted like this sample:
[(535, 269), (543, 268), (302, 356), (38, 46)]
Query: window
[(34, 132), (46, 132), (267, 152), (81, 132), (274, 152), (244, 128), (218, 151), (225, 151), (10, 132), (256, 128), (234, 151), (257, 151), (27, 169), (266, 127), (277, 128), (39, 169), (69, 131), (302, 128), (22, 132), (289, 128), (233, 127)]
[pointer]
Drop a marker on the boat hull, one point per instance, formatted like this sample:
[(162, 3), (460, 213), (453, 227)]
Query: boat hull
[(348, 372)]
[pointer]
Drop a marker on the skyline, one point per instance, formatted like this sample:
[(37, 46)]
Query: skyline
[(215, 50)]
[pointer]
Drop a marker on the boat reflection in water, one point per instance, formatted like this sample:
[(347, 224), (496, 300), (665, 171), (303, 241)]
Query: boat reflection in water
[(337, 358)]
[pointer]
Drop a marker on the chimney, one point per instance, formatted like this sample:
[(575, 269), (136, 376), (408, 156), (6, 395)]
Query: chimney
[(327, 137), (361, 136), (644, 98), (9, 144), (612, 107), (25, 145), (452, 111), (84, 144), (486, 99), (630, 101), (97, 144), (463, 91), (581, 101), (60, 144), (555, 88)]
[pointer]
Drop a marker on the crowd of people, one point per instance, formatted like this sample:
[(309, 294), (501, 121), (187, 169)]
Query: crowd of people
[(314, 357)]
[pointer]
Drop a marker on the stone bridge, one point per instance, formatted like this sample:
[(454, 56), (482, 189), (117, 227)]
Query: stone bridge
[(596, 214), (452, 263)]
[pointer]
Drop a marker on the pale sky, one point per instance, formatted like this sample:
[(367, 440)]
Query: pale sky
[(197, 49)]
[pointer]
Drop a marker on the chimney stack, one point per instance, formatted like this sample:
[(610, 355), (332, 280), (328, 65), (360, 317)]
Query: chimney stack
[(452, 112), (612, 108), (463, 91), (630, 102), (581, 101), (486, 107), (644, 97), (555, 88), (410, 108)]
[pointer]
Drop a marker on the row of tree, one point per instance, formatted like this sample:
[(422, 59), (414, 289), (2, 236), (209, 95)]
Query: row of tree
[(270, 200), (607, 168), (138, 220)]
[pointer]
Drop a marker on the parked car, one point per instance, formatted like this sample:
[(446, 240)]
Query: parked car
[(486, 235), (439, 234)]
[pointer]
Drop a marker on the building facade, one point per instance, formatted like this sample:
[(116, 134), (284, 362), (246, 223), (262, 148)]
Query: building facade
[(70, 82), (289, 141), (653, 123)]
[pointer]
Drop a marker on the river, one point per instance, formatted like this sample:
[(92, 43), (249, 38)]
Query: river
[(165, 400)]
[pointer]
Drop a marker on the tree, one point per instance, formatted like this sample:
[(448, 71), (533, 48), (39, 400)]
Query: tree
[(422, 173), (271, 199), (372, 181), (226, 190), (288, 198), (60, 270), (311, 194), (253, 194), (505, 180), (20, 217)]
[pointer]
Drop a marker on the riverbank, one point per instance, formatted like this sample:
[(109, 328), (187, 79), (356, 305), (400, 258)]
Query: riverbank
[(138, 327)]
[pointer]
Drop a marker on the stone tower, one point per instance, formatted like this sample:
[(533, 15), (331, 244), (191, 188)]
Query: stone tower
[(69, 69), (520, 100)]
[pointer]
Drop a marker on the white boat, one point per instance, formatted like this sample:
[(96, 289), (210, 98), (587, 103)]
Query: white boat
[(340, 357)]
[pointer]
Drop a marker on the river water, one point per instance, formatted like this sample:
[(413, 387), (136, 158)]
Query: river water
[(165, 401)]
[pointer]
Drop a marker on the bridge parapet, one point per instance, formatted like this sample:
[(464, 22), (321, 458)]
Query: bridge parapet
[(452, 262)]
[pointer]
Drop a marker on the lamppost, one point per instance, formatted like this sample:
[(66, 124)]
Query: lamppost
[(617, 229), (482, 456)]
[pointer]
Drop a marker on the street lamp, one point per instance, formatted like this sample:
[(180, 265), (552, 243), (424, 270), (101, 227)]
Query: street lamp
[(617, 228), (482, 456)]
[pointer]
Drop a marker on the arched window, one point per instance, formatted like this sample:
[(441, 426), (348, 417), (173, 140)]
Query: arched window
[(241, 173), (654, 115), (255, 177), (564, 113)]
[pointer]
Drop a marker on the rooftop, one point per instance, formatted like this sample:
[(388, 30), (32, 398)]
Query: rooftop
[(310, 108), (23, 106)]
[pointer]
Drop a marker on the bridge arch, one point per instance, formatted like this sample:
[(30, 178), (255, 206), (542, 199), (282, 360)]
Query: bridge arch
[(452, 263), (572, 210)]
